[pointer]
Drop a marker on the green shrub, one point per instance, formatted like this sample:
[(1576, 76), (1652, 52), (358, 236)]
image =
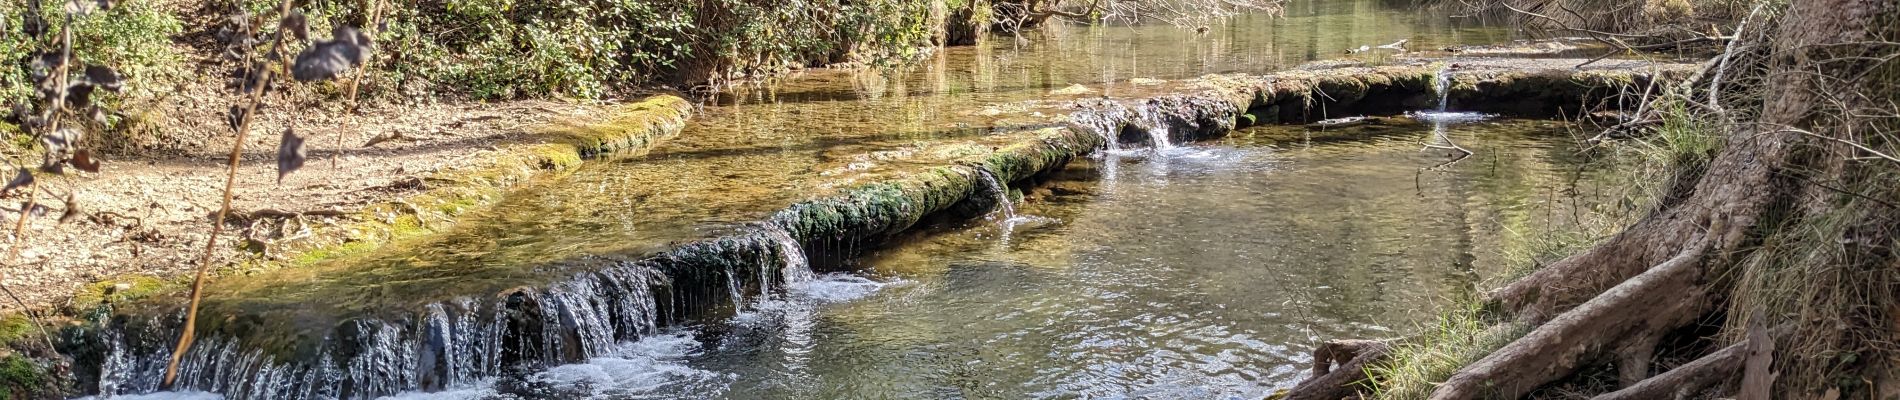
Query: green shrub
[(580, 48), (135, 37), (20, 377)]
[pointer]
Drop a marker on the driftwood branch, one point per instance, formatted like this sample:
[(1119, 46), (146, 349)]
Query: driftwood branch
[(1338, 367)]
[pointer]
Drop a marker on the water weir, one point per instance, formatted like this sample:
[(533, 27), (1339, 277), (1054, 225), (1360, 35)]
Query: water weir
[(599, 300)]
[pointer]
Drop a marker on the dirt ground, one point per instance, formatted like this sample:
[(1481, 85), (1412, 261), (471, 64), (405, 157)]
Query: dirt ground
[(151, 216)]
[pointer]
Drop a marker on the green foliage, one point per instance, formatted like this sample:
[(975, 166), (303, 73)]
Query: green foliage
[(1458, 338), (519, 48), (20, 375), (135, 37), (1683, 139)]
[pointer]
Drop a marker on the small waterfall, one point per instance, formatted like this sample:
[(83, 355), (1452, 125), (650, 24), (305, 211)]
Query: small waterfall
[(732, 286), (1157, 132), (459, 342), (794, 266), (1104, 119), (1160, 139), (1443, 80), (998, 191)]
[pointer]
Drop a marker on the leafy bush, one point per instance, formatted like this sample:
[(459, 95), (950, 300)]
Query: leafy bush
[(530, 48), (517, 48), (135, 35)]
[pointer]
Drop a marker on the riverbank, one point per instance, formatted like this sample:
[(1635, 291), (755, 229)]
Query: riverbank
[(860, 202), (143, 222)]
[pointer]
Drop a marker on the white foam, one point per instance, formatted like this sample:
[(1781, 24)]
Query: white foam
[(185, 395), (637, 367), (1450, 117), (485, 390), (837, 287), (650, 365)]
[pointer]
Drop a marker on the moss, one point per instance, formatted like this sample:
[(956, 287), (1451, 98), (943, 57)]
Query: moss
[(14, 327), (118, 290), (631, 128), (22, 377)]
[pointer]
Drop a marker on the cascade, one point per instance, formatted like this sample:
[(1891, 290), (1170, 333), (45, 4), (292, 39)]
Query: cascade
[(791, 256), (1443, 80), (1000, 192), (1157, 131), (459, 342)]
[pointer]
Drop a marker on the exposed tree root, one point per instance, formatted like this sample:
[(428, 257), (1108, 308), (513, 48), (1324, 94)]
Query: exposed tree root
[(1337, 366), (1639, 311), (1685, 381), (1574, 280)]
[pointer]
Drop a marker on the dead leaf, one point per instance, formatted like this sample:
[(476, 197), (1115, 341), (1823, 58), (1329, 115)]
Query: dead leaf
[(323, 60), (290, 154), (84, 161)]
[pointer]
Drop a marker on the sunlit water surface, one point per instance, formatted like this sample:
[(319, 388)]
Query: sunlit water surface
[(1202, 271)]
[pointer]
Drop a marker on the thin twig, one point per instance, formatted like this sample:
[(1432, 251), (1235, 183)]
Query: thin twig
[(1856, 145), (356, 106), (217, 224), (1715, 86)]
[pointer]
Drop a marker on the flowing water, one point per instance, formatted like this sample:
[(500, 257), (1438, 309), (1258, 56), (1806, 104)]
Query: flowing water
[(1206, 271), (1174, 270)]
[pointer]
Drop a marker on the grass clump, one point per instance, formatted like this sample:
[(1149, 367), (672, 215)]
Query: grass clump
[(1455, 339)]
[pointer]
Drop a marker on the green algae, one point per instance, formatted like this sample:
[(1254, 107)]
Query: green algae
[(23, 377), (119, 290), (631, 129)]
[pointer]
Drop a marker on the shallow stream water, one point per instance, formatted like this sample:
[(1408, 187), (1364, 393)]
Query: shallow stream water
[(1201, 270), (762, 148), (1204, 271)]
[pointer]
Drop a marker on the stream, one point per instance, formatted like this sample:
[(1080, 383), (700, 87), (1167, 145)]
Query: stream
[(1184, 270), (1203, 271)]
